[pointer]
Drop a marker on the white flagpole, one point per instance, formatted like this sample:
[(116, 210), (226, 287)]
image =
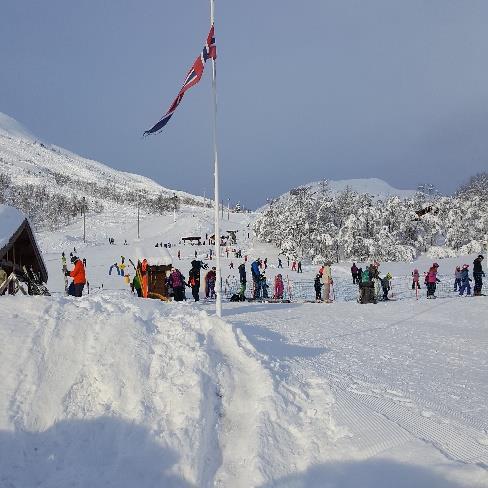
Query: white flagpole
[(218, 277)]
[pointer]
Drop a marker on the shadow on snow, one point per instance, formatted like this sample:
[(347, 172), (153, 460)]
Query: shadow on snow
[(103, 452)]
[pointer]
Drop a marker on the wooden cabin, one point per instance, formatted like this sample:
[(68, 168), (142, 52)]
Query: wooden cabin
[(18, 246), (153, 269)]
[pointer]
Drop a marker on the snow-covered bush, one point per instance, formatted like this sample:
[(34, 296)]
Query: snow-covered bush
[(321, 225)]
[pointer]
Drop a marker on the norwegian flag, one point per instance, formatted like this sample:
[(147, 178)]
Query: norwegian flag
[(192, 78)]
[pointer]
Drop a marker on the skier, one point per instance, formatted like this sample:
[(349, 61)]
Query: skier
[(415, 279), (294, 265), (431, 280), (75, 288), (242, 278), (465, 279), (385, 285), (359, 276), (84, 262), (478, 274), (457, 278), (327, 281), (177, 281), (279, 287), (263, 285), (354, 273), (299, 267), (280, 264), (194, 278), (255, 277), (210, 283), (179, 254), (231, 265), (265, 262), (317, 284)]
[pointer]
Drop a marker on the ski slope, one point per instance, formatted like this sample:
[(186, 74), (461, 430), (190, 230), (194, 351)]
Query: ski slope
[(112, 390)]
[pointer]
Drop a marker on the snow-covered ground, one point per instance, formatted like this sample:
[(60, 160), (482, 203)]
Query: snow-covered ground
[(112, 390)]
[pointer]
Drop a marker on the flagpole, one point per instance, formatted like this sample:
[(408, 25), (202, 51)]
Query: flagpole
[(218, 274)]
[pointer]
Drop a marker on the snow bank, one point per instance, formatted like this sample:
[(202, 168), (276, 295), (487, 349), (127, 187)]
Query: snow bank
[(111, 390), (10, 221)]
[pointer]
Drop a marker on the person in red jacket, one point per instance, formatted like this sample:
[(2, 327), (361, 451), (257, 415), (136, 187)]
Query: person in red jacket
[(79, 279)]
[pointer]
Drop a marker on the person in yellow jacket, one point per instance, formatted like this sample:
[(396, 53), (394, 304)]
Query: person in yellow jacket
[(327, 281)]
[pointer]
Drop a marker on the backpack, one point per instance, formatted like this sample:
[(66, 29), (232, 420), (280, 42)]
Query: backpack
[(365, 276), (176, 280)]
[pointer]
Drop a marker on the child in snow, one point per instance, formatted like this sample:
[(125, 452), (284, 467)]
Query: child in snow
[(457, 278), (210, 282), (415, 279), (317, 284), (385, 285), (431, 280), (465, 279), (279, 287)]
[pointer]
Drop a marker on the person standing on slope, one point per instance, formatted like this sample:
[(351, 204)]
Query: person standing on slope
[(279, 287), (415, 279), (354, 273), (432, 280), (194, 278), (75, 288), (465, 279), (256, 274), (327, 281), (317, 284), (242, 279), (478, 274), (457, 278), (177, 281)]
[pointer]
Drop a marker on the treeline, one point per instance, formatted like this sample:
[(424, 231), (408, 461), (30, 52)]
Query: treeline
[(48, 208), (322, 225)]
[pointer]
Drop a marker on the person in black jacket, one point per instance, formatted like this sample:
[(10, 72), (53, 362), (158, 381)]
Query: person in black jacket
[(478, 274), (317, 284), (242, 279), (194, 278)]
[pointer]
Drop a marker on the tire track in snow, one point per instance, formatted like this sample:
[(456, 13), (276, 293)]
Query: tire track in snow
[(457, 442)]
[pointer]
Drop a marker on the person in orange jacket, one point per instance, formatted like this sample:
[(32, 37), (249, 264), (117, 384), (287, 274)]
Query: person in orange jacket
[(75, 289)]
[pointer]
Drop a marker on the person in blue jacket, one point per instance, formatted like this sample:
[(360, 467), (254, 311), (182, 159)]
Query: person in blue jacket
[(465, 279), (256, 274)]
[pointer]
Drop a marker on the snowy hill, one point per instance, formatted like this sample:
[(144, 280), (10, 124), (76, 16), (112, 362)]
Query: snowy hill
[(378, 189), (372, 186), (24, 161)]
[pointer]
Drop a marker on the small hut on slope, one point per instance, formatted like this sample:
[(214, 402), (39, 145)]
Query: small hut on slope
[(153, 267), (18, 246)]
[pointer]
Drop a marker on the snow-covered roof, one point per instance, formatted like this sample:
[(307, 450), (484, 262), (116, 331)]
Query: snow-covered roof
[(10, 220), (156, 256)]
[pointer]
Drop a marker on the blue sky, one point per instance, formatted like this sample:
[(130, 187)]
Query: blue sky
[(307, 90)]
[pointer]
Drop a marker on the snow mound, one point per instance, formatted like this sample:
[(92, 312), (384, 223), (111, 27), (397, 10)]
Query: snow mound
[(111, 390), (10, 221)]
